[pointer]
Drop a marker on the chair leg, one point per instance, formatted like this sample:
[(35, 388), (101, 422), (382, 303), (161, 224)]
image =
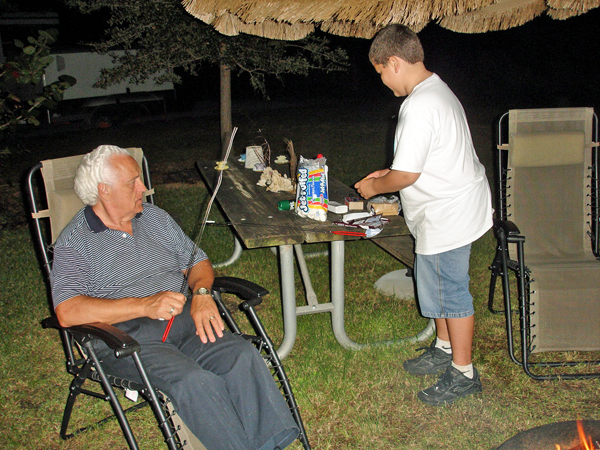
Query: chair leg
[(495, 267), (280, 373), (74, 391), (112, 398), (168, 432), (289, 396)]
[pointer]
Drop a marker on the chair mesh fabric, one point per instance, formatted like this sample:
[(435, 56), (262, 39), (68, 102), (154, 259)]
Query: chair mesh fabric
[(549, 162), (566, 307), (186, 437)]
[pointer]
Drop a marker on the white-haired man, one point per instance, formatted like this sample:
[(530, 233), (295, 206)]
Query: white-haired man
[(125, 262)]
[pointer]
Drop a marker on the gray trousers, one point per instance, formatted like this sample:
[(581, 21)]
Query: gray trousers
[(223, 391)]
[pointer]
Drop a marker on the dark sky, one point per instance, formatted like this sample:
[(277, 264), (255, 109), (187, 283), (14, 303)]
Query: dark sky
[(544, 63)]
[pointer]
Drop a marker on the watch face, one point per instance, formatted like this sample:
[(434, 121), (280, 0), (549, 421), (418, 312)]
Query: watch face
[(202, 291)]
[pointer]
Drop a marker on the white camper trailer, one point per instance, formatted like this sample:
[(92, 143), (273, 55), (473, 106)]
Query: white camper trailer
[(102, 107)]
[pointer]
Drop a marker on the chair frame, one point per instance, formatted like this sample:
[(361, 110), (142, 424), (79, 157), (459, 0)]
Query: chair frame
[(83, 363), (503, 265)]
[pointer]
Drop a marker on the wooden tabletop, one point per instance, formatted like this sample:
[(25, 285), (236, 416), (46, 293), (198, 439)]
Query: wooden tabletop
[(253, 212)]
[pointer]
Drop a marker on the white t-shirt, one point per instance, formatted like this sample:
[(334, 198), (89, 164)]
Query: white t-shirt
[(449, 206)]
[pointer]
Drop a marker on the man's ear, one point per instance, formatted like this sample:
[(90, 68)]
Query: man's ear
[(103, 191)]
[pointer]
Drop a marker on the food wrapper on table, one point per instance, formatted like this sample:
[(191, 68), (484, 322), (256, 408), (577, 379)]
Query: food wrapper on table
[(311, 188), (384, 205), (371, 223), (274, 181)]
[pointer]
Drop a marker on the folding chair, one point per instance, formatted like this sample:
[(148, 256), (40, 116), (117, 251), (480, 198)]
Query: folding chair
[(82, 361), (547, 232)]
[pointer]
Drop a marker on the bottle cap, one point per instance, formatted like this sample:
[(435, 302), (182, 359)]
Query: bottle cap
[(285, 205)]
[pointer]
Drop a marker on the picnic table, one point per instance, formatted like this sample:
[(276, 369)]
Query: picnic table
[(252, 211)]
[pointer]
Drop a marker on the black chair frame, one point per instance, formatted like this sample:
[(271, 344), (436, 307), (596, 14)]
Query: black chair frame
[(88, 367)]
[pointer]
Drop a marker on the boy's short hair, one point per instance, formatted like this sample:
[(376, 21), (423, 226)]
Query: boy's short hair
[(396, 40)]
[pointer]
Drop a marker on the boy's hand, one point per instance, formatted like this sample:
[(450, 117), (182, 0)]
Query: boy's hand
[(384, 181), (378, 173), (365, 187)]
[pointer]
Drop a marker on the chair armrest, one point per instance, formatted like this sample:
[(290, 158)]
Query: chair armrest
[(119, 341), (508, 233), (509, 228), (250, 292)]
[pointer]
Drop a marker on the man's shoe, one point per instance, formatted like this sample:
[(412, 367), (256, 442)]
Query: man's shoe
[(431, 362), (451, 386)]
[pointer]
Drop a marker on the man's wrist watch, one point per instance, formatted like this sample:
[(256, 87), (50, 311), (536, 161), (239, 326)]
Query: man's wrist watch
[(202, 291)]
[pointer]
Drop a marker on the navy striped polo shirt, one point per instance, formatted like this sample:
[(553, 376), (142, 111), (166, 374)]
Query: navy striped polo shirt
[(91, 259)]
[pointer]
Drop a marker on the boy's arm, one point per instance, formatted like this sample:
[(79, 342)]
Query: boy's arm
[(391, 181)]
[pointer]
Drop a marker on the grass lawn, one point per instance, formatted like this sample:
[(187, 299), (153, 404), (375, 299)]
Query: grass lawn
[(348, 399)]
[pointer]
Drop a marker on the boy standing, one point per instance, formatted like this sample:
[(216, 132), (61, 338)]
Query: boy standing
[(446, 201)]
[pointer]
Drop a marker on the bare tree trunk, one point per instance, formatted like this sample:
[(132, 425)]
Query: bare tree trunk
[(225, 100)]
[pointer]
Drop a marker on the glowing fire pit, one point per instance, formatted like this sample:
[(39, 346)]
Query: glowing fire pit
[(570, 435)]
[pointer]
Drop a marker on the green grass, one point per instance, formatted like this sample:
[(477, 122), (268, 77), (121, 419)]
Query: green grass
[(348, 399)]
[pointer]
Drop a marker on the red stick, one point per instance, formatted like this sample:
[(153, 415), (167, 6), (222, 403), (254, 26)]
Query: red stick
[(166, 333), (349, 233)]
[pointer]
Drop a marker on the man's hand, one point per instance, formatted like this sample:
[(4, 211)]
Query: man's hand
[(164, 305), (206, 315)]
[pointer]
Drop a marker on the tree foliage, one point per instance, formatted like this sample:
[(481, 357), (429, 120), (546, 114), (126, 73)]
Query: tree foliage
[(27, 68), (162, 36)]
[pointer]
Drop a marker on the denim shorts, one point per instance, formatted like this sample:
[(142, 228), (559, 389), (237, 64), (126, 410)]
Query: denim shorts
[(443, 284)]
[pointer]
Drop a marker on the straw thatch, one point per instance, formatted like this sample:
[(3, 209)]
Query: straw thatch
[(294, 19), (513, 13), (499, 16)]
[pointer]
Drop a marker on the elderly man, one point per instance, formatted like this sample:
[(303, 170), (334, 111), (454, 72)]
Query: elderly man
[(127, 263)]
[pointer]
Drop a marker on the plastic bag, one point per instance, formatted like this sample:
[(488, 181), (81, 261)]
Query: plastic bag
[(311, 188), (385, 206)]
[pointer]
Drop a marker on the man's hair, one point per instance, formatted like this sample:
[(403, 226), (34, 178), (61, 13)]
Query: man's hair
[(94, 169), (396, 40)]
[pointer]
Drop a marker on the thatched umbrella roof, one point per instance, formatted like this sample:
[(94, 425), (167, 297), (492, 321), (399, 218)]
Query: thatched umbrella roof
[(294, 19)]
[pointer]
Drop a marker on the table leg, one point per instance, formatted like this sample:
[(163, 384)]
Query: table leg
[(288, 299), (336, 306), (237, 252), (311, 297), (338, 299)]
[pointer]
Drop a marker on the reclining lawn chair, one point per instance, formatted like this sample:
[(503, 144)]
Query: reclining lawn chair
[(82, 362), (548, 211)]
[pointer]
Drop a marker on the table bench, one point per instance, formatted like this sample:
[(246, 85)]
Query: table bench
[(400, 247)]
